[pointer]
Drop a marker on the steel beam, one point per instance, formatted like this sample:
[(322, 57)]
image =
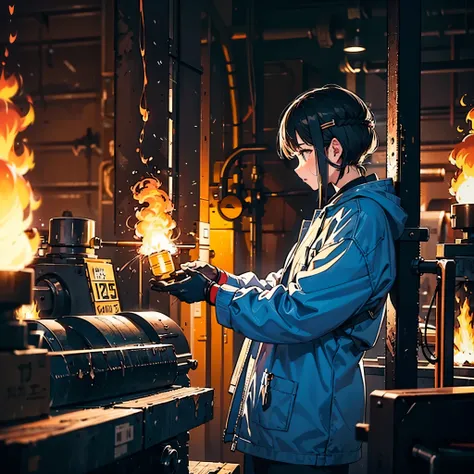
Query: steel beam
[(403, 166), (191, 192)]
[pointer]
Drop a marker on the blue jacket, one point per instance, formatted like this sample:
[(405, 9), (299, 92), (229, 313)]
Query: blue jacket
[(298, 387)]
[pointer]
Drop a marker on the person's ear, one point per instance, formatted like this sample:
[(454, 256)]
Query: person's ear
[(336, 151)]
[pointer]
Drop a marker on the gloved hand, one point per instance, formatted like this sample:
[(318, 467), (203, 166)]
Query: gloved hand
[(209, 271), (189, 287)]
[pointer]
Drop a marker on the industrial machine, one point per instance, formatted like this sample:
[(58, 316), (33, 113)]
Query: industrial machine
[(85, 390), (404, 436), (440, 262), (70, 278), (429, 430), (118, 378)]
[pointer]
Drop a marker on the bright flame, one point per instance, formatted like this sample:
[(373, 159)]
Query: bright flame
[(17, 248), (155, 224), (27, 311), (464, 337), (462, 156)]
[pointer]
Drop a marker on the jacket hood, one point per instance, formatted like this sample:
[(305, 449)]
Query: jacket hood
[(383, 193)]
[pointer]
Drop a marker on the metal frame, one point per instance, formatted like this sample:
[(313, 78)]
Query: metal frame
[(445, 269), (403, 166)]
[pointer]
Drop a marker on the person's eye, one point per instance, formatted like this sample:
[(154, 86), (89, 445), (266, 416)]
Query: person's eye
[(304, 154)]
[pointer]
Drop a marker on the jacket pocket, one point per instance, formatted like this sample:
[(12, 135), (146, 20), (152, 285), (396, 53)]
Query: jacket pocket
[(280, 401)]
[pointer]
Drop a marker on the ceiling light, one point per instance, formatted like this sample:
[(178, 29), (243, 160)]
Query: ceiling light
[(353, 45)]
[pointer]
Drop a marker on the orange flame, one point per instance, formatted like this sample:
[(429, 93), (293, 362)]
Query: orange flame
[(155, 224), (11, 9), (12, 38), (464, 337), (462, 156), (6, 52), (17, 247), (27, 311)]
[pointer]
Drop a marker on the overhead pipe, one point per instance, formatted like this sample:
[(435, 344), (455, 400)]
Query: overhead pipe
[(452, 81), (230, 69), (230, 161), (382, 12), (428, 113), (281, 34), (437, 67), (66, 42), (63, 96), (73, 11), (85, 187)]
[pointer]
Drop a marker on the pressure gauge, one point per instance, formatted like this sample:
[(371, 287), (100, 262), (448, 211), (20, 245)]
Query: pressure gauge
[(230, 208)]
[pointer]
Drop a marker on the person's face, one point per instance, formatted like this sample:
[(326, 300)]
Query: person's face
[(308, 169)]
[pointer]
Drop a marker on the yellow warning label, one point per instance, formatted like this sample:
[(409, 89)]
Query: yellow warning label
[(103, 287)]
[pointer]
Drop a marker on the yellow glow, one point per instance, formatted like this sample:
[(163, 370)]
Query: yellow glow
[(464, 337), (27, 311), (155, 225), (462, 156), (354, 49), (17, 202)]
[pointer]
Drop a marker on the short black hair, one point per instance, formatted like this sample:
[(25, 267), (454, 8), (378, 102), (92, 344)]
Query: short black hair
[(340, 113)]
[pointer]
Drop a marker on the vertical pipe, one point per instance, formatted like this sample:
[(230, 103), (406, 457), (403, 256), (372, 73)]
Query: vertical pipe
[(403, 166), (444, 369), (452, 78), (187, 141), (106, 107), (140, 283), (204, 241), (256, 74), (351, 81)]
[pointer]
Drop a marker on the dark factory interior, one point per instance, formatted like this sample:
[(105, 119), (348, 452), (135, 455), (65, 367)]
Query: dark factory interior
[(139, 135)]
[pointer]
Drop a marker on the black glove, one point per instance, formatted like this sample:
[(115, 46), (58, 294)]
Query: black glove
[(189, 287), (209, 271)]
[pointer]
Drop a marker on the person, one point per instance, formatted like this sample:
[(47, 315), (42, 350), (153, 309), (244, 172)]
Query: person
[(298, 387)]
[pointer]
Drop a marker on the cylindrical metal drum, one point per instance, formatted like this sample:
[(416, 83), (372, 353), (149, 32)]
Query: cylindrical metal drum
[(99, 357), (71, 235), (83, 376)]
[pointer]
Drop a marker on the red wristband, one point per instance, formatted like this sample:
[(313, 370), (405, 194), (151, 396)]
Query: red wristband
[(213, 293), (223, 277)]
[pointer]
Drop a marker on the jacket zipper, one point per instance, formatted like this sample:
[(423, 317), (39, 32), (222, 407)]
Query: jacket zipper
[(248, 377), (236, 376)]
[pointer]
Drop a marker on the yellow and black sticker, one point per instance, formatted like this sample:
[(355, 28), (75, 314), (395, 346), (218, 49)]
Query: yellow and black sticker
[(103, 287)]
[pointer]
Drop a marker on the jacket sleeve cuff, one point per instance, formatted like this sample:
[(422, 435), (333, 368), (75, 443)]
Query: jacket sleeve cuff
[(232, 280), (213, 293), (225, 294)]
